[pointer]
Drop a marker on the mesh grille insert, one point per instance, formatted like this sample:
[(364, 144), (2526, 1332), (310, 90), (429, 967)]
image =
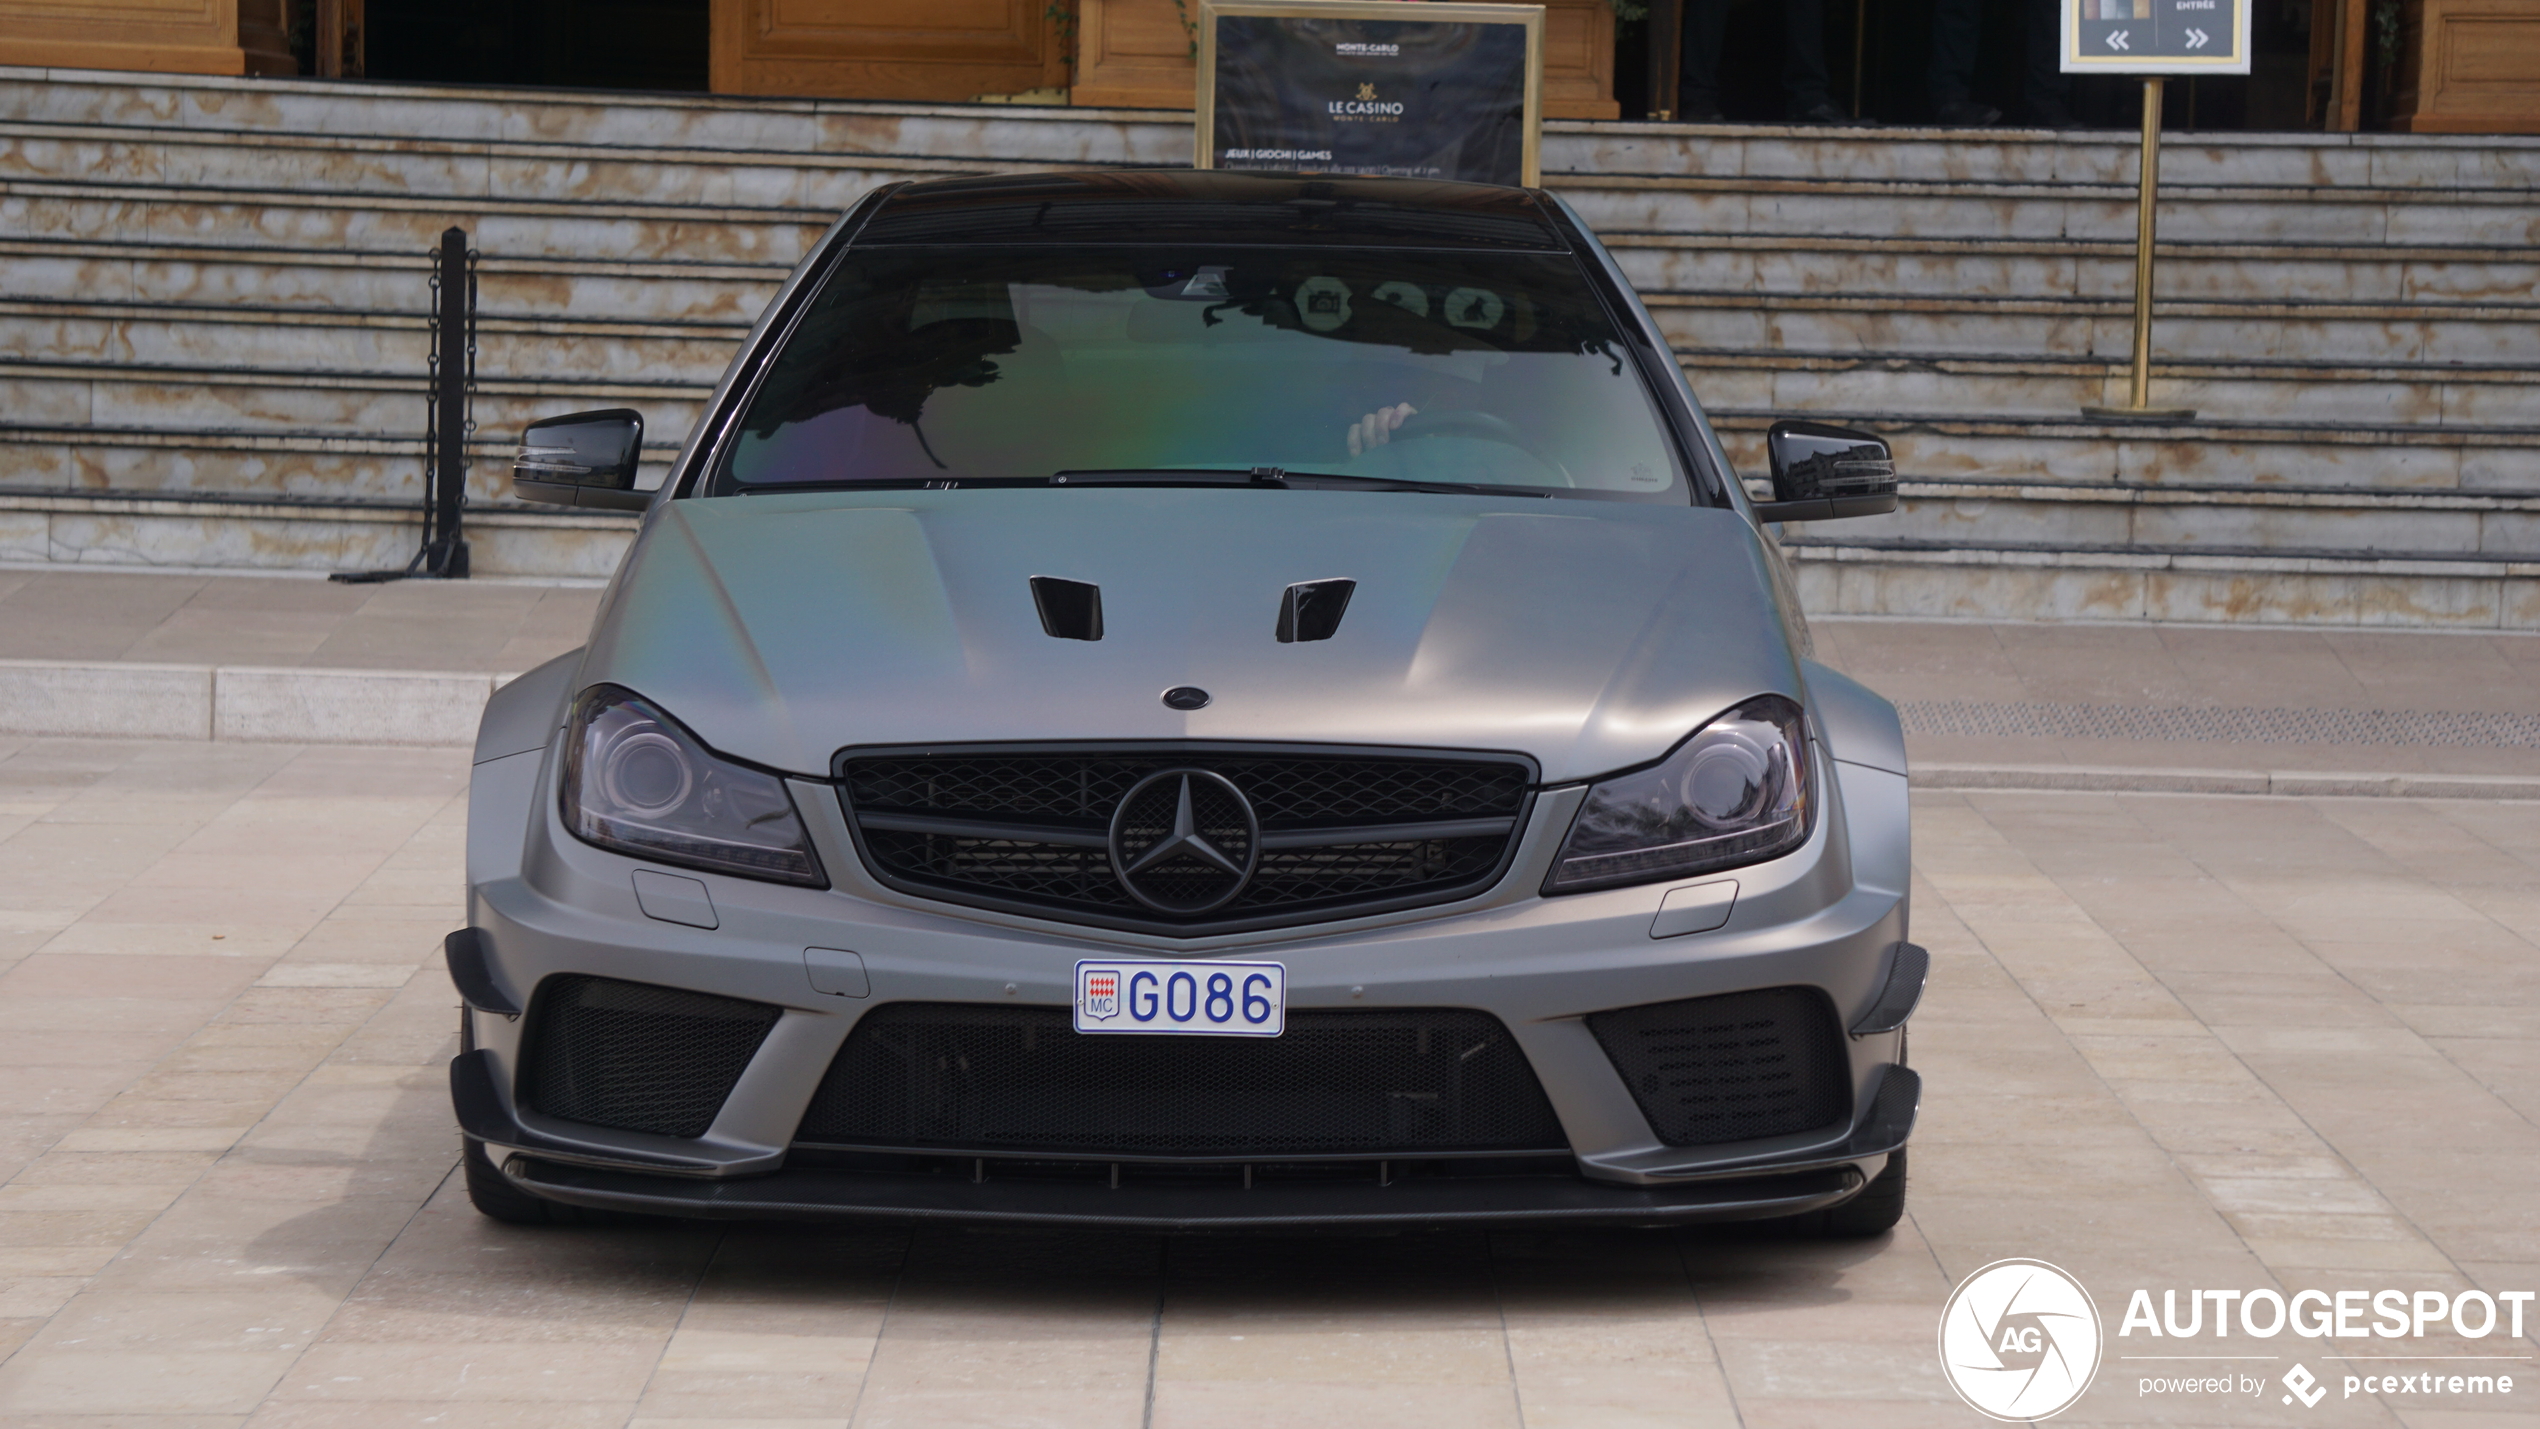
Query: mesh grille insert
[(1048, 816), (1715, 1069), (635, 1057), (957, 1076)]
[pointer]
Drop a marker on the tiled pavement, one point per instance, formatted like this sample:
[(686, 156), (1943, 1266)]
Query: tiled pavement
[(157, 618), (2170, 1042)]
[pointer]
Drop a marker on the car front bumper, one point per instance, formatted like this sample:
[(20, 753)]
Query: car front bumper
[(1830, 916)]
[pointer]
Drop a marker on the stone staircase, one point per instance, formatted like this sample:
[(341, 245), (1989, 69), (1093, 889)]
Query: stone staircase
[(212, 336), (2352, 317)]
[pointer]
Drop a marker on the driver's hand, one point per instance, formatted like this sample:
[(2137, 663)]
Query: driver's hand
[(1376, 428)]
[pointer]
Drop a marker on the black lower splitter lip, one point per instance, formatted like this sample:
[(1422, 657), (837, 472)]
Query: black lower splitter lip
[(813, 1194)]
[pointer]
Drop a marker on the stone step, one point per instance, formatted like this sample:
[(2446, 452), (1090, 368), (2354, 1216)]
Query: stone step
[(248, 402), (1772, 151), (2071, 267), (2075, 449), (2021, 387), (324, 280), (1860, 575), (410, 226), (595, 119), (2098, 516), (2189, 214), (391, 346), (2357, 334), (249, 532), (357, 166), (208, 462)]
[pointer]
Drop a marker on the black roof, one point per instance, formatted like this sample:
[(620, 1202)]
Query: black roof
[(1213, 206)]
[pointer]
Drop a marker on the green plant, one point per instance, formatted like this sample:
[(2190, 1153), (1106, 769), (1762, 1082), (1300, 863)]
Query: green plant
[(1061, 15)]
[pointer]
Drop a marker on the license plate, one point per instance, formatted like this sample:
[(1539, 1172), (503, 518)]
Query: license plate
[(1183, 999)]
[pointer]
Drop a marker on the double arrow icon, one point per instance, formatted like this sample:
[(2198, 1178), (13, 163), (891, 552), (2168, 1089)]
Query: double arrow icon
[(2196, 40)]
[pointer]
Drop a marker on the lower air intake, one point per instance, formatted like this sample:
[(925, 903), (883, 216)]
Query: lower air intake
[(962, 1077), (1733, 1068), (633, 1057)]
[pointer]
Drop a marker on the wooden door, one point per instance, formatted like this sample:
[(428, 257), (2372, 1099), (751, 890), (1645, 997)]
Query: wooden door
[(885, 49), (164, 36), (2468, 67)]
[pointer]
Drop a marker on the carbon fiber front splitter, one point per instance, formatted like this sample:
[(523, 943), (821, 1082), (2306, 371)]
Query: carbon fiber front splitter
[(819, 1193)]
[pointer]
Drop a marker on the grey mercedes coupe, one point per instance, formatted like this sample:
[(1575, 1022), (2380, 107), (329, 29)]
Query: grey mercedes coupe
[(1194, 701)]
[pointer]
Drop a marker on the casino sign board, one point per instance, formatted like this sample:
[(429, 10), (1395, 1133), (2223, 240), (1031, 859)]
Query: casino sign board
[(2156, 36), (1429, 91)]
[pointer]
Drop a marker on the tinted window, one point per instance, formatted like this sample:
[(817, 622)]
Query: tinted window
[(932, 364)]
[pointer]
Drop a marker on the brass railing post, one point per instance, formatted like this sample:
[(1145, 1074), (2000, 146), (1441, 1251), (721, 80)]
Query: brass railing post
[(2147, 212)]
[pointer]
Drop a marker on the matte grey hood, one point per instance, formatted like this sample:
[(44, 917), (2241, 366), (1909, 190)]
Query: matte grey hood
[(1590, 635)]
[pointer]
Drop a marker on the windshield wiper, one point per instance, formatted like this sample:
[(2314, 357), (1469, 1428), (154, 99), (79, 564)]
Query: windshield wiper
[(1165, 476), (885, 483), (1259, 476), (1278, 477), (1311, 479)]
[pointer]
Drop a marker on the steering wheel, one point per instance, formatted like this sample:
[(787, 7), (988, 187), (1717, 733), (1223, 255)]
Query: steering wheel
[(1471, 426), (1478, 427)]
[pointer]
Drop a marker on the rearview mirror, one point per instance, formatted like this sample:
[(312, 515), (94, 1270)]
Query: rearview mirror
[(1821, 473), (587, 459)]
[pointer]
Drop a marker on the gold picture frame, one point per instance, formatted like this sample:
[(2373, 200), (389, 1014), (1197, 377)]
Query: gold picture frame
[(1204, 114)]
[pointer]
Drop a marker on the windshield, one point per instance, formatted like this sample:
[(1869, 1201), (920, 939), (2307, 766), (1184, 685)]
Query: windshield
[(1002, 364)]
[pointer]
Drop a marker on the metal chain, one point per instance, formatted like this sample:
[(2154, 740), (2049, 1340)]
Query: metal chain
[(468, 441), (432, 396)]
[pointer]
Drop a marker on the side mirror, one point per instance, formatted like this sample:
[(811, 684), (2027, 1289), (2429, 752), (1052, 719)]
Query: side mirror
[(587, 459), (1821, 473)]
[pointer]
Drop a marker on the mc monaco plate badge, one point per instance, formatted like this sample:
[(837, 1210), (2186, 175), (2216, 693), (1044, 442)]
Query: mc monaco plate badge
[(1184, 999)]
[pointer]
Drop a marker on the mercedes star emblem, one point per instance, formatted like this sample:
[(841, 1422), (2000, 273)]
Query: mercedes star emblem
[(1184, 841)]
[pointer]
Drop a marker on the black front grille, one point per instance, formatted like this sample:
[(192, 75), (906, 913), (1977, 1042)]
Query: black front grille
[(1732, 1068), (1339, 833), (635, 1057), (1003, 1079)]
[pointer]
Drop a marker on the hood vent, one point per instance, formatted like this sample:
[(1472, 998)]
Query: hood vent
[(1072, 610), (1311, 610)]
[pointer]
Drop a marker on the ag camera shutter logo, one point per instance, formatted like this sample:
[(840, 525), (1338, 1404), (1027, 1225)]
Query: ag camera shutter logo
[(2019, 1340)]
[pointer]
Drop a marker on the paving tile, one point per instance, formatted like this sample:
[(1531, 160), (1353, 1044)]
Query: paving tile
[(352, 1372), (1205, 1405), (124, 1381), (439, 1414)]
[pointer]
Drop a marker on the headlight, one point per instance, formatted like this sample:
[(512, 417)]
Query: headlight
[(637, 783), (1735, 793)]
